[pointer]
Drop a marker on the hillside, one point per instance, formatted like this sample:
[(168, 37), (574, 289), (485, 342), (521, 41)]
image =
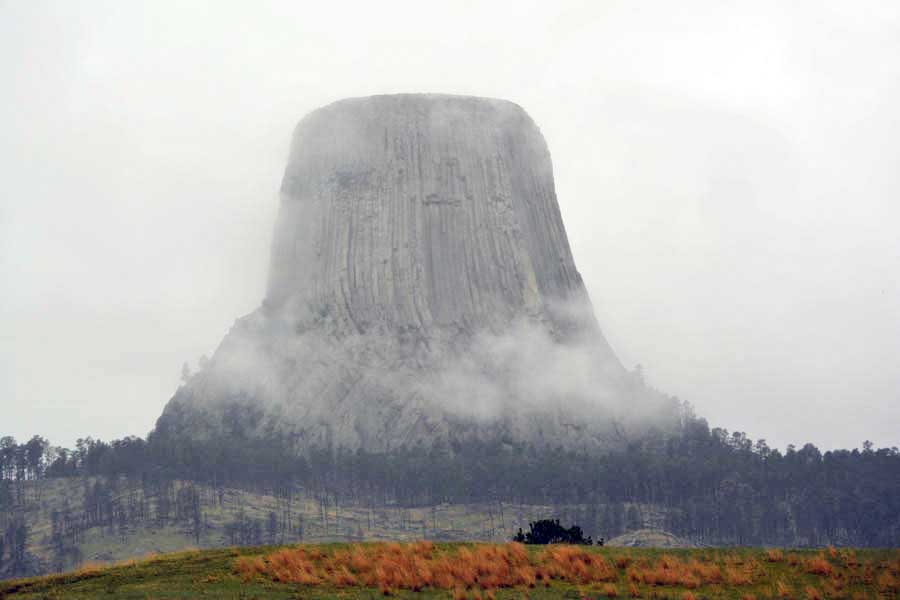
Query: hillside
[(648, 538), (480, 571), (74, 521), (59, 508)]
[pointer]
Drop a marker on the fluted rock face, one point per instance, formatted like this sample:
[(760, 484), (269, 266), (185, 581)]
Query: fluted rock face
[(421, 286), (421, 212)]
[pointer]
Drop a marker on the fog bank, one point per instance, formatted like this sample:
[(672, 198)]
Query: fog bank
[(726, 174)]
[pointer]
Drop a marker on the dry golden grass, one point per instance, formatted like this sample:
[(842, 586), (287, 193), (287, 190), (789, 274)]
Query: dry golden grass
[(671, 571), (572, 563), (91, 567), (478, 570), (417, 566), (887, 583), (707, 573), (848, 556), (783, 590), (812, 593), (248, 567), (832, 591), (774, 555), (738, 576), (819, 565), (485, 571)]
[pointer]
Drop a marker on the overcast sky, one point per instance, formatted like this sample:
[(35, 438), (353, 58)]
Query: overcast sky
[(729, 175)]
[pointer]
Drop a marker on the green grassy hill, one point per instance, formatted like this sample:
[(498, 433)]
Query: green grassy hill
[(459, 570)]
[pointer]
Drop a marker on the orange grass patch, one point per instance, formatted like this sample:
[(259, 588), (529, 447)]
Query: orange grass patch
[(774, 555), (671, 571), (479, 568), (812, 593), (819, 565), (849, 558), (735, 576), (417, 566), (832, 592), (572, 563), (90, 568), (887, 583), (248, 568)]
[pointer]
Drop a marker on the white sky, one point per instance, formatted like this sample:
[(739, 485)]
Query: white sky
[(728, 172)]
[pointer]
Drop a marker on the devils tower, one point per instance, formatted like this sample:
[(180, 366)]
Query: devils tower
[(421, 286)]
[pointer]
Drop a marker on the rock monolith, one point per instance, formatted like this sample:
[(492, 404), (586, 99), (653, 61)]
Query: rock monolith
[(421, 287)]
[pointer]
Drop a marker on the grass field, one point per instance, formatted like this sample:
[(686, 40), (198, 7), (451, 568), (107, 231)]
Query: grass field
[(482, 571)]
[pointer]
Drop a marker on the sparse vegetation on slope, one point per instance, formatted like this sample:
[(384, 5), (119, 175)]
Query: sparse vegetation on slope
[(482, 571), (120, 500), (72, 521)]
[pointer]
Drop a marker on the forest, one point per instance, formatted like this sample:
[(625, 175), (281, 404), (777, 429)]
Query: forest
[(711, 486)]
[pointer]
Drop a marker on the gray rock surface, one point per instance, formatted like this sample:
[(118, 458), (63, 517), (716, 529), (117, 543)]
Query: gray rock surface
[(421, 286)]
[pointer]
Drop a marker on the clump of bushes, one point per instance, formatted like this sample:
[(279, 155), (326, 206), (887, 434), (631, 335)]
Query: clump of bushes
[(549, 531)]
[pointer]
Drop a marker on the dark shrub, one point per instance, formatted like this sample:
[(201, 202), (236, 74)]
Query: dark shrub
[(547, 531)]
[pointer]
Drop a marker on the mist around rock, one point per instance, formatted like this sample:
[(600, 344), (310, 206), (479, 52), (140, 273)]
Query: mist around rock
[(421, 288), (379, 391)]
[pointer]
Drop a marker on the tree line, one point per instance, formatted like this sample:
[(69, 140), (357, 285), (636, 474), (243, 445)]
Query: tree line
[(712, 486)]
